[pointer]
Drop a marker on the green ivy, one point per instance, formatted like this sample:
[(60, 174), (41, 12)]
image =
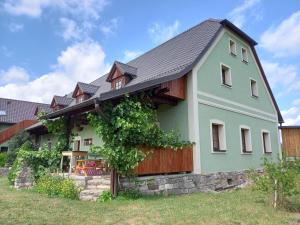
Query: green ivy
[(60, 128), (127, 126)]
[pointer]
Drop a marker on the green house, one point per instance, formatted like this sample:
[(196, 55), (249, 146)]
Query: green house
[(208, 85)]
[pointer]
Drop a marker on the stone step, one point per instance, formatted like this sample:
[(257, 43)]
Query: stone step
[(98, 182), (90, 195), (100, 187)]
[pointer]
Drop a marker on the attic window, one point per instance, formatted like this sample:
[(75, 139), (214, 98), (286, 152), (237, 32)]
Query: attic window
[(118, 84), (81, 98), (232, 47), (2, 113), (225, 75), (244, 55)]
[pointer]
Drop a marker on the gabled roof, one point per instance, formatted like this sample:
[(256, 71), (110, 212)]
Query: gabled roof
[(85, 88), (168, 61), (15, 111), (61, 100), (124, 69)]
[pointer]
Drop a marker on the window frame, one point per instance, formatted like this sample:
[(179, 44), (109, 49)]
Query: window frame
[(87, 141), (229, 85), (245, 60), (230, 50), (250, 150), (264, 148), (118, 84), (222, 136), (256, 86)]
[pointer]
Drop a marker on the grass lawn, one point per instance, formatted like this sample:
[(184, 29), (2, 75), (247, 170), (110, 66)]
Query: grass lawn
[(235, 207)]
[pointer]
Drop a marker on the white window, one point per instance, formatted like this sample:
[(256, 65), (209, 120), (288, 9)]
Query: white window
[(232, 47), (245, 134), (226, 75), (118, 84), (218, 138), (2, 113), (253, 88), (266, 141), (244, 55)]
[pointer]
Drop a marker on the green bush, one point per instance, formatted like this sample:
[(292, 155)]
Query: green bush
[(11, 176), (3, 157), (105, 196), (57, 187), (278, 180), (15, 144)]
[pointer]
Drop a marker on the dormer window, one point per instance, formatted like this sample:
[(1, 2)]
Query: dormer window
[(121, 74), (84, 91), (118, 84)]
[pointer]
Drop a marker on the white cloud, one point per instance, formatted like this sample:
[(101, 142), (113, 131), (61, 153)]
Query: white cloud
[(160, 32), (15, 27), (34, 8), (284, 39), (14, 74), (280, 75), (70, 29), (238, 15), (109, 27), (292, 115), (129, 55), (83, 61)]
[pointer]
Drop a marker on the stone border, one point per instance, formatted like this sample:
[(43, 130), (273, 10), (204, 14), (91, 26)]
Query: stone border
[(4, 171)]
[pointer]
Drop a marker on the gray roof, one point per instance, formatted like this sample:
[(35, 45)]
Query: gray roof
[(168, 61), (126, 69), (15, 111), (87, 88), (62, 100)]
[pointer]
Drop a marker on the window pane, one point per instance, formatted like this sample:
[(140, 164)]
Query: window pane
[(215, 134), (243, 134)]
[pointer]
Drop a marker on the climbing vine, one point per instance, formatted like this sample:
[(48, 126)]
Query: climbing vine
[(60, 127), (127, 126)]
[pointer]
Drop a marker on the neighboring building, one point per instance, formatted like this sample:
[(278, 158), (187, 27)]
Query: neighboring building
[(290, 140), (208, 84), (16, 115)]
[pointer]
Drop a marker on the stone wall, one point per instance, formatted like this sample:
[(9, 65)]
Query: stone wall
[(24, 178), (185, 183), (4, 171)]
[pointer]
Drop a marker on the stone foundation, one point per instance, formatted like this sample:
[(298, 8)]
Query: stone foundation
[(4, 171), (184, 183), (24, 179)]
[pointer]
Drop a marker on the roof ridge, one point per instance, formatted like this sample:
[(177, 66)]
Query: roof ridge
[(11, 99), (176, 36)]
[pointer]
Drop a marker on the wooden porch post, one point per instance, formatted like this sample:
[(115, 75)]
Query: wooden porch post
[(113, 183)]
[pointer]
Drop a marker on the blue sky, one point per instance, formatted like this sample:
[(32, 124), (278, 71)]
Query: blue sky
[(46, 46)]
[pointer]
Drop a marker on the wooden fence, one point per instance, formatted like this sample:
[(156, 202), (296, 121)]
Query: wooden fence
[(13, 130), (162, 161), (291, 141)]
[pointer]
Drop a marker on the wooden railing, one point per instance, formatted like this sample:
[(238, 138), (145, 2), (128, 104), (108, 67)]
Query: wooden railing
[(163, 161), (13, 130)]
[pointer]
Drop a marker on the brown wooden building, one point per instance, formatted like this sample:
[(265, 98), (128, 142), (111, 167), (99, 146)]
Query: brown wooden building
[(291, 140)]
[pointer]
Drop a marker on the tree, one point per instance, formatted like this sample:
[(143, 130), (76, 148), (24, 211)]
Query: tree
[(278, 179), (14, 144)]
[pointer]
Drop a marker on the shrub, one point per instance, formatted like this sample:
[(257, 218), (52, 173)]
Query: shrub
[(278, 180), (11, 176), (105, 196), (3, 157), (57, 187), (14, 145)]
